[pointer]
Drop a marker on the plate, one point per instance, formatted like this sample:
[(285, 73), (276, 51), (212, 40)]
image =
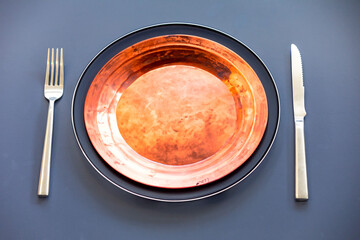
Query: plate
[(212, 115), (175, 111)]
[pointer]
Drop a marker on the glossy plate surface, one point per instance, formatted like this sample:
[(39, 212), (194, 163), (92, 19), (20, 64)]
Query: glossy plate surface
[(231, 102), (175, 111)]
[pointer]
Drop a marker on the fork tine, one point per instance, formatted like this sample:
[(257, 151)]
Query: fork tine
[(47, 68), (61, 83), (52, 68), (56, 67)]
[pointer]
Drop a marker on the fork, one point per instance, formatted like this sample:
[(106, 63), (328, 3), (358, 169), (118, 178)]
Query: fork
[(53, 90)]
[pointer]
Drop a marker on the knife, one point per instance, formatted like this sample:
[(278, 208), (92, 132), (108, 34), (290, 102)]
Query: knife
[(301, 186)]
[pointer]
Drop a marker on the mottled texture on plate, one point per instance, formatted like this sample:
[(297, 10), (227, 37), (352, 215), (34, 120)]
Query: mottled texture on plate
[(175, 111), (176, 115)]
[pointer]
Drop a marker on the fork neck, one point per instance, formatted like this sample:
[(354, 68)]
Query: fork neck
[(51, 105)]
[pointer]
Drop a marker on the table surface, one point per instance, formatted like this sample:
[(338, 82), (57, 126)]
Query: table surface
[(82, 205)]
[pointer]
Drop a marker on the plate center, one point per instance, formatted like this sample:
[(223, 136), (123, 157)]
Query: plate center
[(176, 115)]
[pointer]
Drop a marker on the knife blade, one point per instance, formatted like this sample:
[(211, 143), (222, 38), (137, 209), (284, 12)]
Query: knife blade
[(301, 185)]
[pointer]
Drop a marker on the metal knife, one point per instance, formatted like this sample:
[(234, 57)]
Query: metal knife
[(301, 185)]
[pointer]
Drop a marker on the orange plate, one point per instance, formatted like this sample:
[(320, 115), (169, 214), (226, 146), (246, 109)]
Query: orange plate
[(176, 111)]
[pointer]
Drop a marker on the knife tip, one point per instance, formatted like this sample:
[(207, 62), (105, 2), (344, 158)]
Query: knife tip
[(293, 47)]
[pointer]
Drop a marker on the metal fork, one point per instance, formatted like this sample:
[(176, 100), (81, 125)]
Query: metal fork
[(53, 90)]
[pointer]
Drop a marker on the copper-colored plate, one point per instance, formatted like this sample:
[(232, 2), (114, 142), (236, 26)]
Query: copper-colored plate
[(176, 111)]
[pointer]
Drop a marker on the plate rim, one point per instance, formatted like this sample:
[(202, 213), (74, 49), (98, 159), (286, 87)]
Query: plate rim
[(194, 198)]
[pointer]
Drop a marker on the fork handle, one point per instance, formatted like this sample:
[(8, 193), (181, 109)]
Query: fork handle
[(44, 181), (301, 186)]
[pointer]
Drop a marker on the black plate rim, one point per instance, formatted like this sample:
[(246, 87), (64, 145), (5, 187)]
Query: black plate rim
[(179, 199)]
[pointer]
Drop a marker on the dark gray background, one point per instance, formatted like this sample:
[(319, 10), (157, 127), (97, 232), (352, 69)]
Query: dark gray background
[(82, 205)]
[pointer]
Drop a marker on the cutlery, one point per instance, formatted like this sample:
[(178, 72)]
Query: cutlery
[(301, 185), (53, 90)]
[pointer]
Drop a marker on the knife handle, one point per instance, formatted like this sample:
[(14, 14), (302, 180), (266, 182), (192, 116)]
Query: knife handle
[(301, 186)]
